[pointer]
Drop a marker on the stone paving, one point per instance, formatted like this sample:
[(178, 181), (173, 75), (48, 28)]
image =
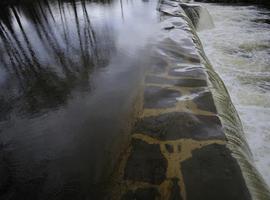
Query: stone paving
[(178, 147)]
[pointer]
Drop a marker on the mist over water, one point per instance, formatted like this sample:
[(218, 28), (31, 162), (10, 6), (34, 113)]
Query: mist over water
[(70, 72), (239, 49)]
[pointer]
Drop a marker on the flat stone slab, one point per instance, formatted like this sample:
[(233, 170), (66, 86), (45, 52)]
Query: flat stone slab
[(181, 82), (213, 174), (145, 163), (142, 194), (178, 125), (188, 73), (157, 65), (175, 191), (157, 97), (176, 52), (205, 102)]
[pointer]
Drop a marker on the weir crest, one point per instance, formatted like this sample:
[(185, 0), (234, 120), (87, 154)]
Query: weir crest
[(188, 142)]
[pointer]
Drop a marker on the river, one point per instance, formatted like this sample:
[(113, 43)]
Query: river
[(70, 72), (239, 49), (70, 79)]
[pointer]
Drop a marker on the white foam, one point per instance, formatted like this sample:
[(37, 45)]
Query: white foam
[(238, 49)]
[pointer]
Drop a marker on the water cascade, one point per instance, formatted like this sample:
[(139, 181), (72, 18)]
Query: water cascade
[(117, 103), (188, 142), (199, 15)]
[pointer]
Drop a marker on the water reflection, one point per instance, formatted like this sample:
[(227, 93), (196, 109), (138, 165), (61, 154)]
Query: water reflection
[(47, 54), (69, 73)]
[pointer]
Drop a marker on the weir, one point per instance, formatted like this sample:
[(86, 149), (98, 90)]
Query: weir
[(188, 142), (110, 99)]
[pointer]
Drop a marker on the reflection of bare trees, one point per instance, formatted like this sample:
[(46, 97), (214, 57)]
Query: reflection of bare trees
[(49, 48)]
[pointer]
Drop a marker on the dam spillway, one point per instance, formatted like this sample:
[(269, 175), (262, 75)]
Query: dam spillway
[(188, 142), (117, 103)]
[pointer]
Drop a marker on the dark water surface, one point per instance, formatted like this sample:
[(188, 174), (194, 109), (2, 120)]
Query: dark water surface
[(69, 80)]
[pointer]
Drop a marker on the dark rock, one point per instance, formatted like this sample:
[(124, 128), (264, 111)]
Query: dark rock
[(179, 51), (205, 102), (177, 125), (142, 194), (212, 173), (189, 73), (175, 192), (157, 65), (169, 148), (183, 82), (156, 97), (145, 163), (5, 177)]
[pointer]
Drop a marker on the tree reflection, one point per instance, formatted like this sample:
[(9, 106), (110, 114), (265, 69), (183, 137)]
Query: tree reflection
[(48, 49)]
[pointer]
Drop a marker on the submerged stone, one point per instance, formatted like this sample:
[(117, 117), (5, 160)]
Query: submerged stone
[(157, 65), (188, 73), (145, 163), (178, 125), (181, 82), (169, 148), (212, 173), (205, 102), (156, 97), (175, 191), (177, 48), (142, 194)]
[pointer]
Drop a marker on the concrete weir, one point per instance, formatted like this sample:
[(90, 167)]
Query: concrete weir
[(188, 143)]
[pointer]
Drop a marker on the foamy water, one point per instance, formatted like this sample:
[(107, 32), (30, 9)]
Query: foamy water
[(239, 50)]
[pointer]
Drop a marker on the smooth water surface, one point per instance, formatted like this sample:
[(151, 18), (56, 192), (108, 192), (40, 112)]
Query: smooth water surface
[(239, 49), (69, 78)]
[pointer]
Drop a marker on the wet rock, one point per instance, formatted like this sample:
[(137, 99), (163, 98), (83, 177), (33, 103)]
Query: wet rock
[(157, 65), (156, 97), (177, 125), (193, 12), (169, 10), (169, 27), (212, 173), (142, 194), (145, 163), (5, 173), (5, 178), (169, 148), (181, 82), (176, 48), (188, 73), (205, 102), (175, 191)]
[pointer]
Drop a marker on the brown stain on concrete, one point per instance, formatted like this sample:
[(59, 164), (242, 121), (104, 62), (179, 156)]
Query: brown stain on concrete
[(194, 102), (182, 150)]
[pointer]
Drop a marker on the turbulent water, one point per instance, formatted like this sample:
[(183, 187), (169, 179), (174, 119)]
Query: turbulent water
[(239, 49)]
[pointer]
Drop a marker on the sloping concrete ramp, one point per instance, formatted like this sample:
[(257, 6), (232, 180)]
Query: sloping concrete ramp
[(188, 142)]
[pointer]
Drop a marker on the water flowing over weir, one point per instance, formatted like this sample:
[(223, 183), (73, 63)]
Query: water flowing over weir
[(188, 142), (117, 103)]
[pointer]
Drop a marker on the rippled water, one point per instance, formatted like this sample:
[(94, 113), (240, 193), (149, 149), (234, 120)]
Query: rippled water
[(239, 49), (69, 77)]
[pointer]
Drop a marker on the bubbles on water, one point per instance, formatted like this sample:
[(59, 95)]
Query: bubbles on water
[(239, 48)]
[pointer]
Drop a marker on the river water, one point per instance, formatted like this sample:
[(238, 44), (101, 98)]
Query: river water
[(70, 74), (239, 49), (69, 79)]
